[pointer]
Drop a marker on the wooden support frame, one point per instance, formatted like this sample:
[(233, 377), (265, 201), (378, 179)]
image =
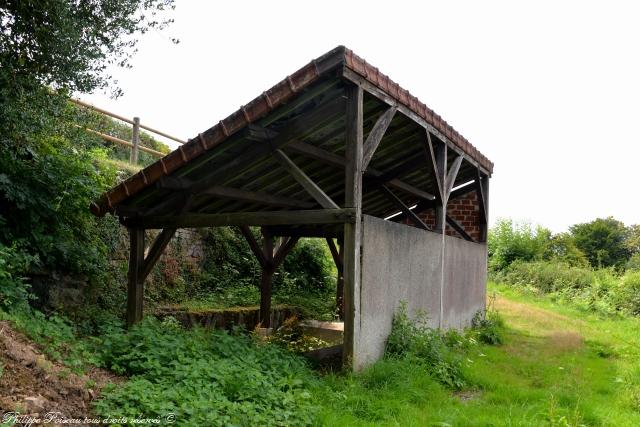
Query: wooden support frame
[(270, 258), (459, 228), (372, 176), (404, 208), (375, 136), (230, 193), (452, 174), (300, 126), (304, 180), (440, 153), (135, 284), (353, 230), (338, 258), (262, 218)]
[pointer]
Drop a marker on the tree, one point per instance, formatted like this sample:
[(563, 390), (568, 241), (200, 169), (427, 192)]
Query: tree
[(603, 241), (509, 241), (562, 247), (68, 44), (48, 176), (633, 239)]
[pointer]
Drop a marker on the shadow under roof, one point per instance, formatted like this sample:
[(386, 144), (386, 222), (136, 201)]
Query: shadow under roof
[(231, 166)]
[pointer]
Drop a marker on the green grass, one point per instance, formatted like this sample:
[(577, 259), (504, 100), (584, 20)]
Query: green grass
[(558, 366)]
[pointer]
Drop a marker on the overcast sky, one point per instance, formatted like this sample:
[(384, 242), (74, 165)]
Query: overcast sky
[(549, 91)]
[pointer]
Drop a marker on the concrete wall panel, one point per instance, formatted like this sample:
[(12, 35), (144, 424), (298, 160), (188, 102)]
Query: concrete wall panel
[(399, 263), (465, 279), (403, 263)]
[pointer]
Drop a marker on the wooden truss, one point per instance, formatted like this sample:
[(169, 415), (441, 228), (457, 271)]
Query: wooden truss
[(315, 213)]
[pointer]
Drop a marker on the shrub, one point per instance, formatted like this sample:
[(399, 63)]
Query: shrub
[(428, 347), (509, 241), (547, 276), (634, 262), (203, 377), (488, 327), (627, 294), (14, 291)]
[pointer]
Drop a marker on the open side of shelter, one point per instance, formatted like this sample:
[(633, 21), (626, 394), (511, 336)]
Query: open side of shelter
[(338, 151)]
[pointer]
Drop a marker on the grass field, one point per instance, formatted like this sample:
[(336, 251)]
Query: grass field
[(558, 366)]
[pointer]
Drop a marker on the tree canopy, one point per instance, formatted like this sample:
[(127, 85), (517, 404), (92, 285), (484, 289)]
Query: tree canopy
[(603, 241)]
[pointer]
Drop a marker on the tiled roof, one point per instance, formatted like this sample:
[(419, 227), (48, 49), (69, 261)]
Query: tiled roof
[(267, 102)]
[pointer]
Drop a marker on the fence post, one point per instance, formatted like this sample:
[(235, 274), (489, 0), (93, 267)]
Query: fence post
[(135, 140)]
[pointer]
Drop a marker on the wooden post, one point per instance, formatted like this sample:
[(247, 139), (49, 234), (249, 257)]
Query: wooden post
[(266, 280), (340, 283), (440, 152), (352, 231), (135, 140), (135, 286), (484, 229), (337, 255)]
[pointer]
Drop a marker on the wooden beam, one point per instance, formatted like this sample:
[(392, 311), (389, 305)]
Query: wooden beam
[(451, 176), (440, 152), (298, 127), (424, 205), (316, 153), (155, 251), (334, 253), (432, 164), (266, 280), (256, 197), (480, 194), (404, 208), (375, 136), (317, 216), (224, 192), (162, 240), (304, 180), (284, 250), (338, 256), (337, 161), (322, 231), (254, 245), (353, 230), (135, 286), (459, 228), (484, 229), (383, 96)]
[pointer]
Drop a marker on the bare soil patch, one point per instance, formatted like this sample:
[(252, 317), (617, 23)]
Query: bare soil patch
[(33, 385)]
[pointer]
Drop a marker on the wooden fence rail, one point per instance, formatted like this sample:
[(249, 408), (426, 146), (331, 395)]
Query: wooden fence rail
[(135, 142)]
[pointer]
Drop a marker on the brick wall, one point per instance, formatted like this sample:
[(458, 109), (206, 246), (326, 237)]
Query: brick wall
[(465, 210)]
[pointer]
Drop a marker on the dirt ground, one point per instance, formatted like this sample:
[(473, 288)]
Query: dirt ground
[(33, 386)]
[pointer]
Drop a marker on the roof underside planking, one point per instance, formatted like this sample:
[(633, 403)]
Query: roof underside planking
[(243, 164)]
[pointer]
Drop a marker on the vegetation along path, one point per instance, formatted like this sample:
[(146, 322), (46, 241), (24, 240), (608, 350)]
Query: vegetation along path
[(557, 366)]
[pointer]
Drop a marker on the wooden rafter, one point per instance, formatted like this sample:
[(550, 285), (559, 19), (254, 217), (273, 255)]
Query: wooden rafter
[(459, 228), (300, 126), (303, 179), (370, 174), (404, 208)]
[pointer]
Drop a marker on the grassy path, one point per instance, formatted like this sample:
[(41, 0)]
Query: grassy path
[(558, 366)]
